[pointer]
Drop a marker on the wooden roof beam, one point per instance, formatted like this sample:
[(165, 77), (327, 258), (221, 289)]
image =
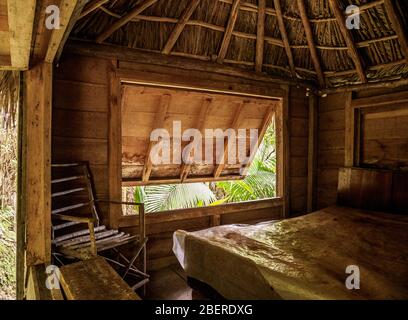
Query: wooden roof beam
[(159, 119), (310, 42), (92, 6), (185, 168), (178, 29), (265, 125), (124, 20), (21, 28), (397, 25), (260, 37), (228, 31), (352, 49), (69, 14), (285, 38), (235, 126)]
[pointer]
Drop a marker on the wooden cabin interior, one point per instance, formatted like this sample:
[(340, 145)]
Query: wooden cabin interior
[(93, 91)]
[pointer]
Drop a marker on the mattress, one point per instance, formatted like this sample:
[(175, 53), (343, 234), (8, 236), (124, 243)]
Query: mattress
[(309, 257)]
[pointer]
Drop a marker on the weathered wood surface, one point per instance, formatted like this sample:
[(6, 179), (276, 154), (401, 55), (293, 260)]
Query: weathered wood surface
[(94, 279), (366, 128), (36, 284), (37, 156), (373, 189)]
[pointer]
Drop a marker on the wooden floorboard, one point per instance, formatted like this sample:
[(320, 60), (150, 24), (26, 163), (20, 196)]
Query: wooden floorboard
[(169, 284)]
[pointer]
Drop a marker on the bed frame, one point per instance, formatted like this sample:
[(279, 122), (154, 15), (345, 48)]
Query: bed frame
[(373, 189)]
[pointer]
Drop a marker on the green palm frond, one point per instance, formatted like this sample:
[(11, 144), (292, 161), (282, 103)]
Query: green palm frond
[(177, 196)]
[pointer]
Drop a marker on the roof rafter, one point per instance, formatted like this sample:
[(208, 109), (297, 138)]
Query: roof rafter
[(352, 49), (21, 31), (234, 126), (310, 42), (186, 167), (178, 29), (398, 26), (69, 15), (92, 6), (265, 125), (260, 37), (285, 37), (228, 31), (159, 119), (125, 19)]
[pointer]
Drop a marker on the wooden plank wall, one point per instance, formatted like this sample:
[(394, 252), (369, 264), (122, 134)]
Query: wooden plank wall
[(330, 154), (80, 117), (332, 142), (80, 133), (299, 135)]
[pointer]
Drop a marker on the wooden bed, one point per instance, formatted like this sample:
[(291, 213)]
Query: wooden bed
[(307, 257)]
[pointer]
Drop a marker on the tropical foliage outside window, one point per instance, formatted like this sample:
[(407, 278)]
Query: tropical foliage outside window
[(259, 184)]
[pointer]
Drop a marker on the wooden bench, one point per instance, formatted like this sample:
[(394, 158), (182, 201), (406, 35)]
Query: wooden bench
[(94, 279)]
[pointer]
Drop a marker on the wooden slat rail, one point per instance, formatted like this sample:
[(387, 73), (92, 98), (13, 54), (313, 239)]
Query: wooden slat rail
[(69, 208), (64, 193), (66, 179), (183, 214)]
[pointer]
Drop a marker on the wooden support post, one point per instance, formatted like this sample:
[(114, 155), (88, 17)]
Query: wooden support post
[(260, 37), (228, 31), (283, 152), (349, 132), (115, 147), (36, 193), (21, 212), (312, 154), (215, 220)]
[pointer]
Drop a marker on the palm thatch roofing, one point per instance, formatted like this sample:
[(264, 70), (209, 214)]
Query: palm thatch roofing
[(9, 96), (302, 39)]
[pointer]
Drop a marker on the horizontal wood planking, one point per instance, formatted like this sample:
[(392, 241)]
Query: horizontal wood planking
[(384, 130), (331, 146), (80, 118), (299, 137), (183, 214), (384, 134)]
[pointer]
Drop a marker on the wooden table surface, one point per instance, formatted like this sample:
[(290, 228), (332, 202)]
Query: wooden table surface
[(94, 279)]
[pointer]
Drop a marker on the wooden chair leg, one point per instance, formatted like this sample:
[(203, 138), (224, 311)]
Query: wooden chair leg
[(132, 261)]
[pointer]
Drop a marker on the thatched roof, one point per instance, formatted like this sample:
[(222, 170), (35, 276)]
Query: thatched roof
[(9, 96), (200, 29)]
